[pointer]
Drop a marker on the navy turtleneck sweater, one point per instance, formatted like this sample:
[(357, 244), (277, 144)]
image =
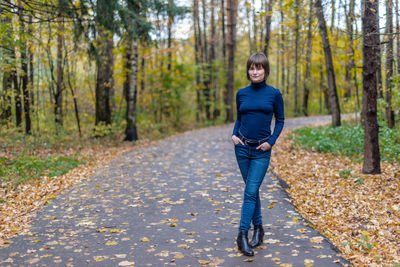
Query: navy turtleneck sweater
[(255, 106)]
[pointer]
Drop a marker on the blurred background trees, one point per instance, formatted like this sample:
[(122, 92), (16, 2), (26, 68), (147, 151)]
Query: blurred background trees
[(146, 68)]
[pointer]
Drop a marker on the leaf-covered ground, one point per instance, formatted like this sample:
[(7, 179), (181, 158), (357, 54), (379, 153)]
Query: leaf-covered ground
[(173, 202), (22, 201), (359, 213)]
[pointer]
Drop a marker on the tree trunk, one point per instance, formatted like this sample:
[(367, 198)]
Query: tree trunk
[(296, 59), (350, 64), (324, 90), (130, 88), (206, 66), (268, 26), (398, 36), (253, 11), (231, 44), (333, 8), (261, 31), (205, 41), (143, 75), (74, 97), (7, 74), (355, 76), (223, 30), (307, 78), (104, 77), (333, 97), (17, 92), (58, 106), (197, 48), (30, 63), (24, 69), (371, 47), (214, 70), (7, 84), (169, 26), (278, 58), (282, 48), (389, 63), (379, 72), (249, 30)]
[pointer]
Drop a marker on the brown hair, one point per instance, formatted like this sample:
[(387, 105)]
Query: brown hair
[(258, 60)]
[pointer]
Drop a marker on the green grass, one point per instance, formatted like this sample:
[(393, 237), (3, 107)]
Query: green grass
[(24, 167), (348, 140)]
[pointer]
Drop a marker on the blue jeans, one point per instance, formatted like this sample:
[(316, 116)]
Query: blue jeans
[(253, 164)]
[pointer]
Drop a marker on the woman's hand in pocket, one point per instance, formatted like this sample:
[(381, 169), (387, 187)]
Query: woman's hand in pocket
[(264, 146), (236, 140)]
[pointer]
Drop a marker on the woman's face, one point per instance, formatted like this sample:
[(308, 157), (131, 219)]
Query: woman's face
[(257, 74)]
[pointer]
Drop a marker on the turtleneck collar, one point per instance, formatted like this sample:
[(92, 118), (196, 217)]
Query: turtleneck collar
[(258, 85)]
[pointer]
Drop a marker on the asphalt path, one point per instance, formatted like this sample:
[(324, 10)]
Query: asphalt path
[(176, 202)]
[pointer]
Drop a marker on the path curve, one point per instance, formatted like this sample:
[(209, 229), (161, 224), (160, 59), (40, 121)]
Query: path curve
[(176, 202)]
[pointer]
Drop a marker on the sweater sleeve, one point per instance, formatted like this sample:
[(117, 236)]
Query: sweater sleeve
[(238, 118), (279, 118)]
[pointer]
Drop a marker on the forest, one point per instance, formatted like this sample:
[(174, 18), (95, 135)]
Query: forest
[(79, 77), (94, 67)]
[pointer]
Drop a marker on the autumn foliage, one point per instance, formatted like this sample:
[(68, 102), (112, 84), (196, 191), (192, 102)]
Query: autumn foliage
[(359, 213)]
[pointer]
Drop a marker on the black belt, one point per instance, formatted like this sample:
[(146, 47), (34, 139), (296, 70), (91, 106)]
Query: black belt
[(252, 142)]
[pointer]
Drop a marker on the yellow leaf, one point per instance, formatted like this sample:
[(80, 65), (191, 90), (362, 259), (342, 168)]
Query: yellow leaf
[(191, 233), (115, 230), (164, 253), (126, 263), (308, 263), (98, 258), (302, 230), (185, 246), (179, 256), (316, 239), (111, 243), (317, 246), (145, 239), (203, 262)]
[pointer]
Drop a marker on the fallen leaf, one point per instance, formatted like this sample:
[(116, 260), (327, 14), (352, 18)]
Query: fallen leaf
[(120, 256), (126, 263), (316, 239), (308, 263)]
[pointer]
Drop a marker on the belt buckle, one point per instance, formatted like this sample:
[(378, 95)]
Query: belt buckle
[(250, 143)]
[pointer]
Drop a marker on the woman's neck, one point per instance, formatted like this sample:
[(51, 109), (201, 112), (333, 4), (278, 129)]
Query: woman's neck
[(259, 84)]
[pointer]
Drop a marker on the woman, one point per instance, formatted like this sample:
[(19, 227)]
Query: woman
[(253, 142)]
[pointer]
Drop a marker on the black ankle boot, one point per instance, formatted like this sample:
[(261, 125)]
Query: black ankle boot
[(243, 244), (258, 236)]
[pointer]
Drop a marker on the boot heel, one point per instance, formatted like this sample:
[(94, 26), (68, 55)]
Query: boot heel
[(243, 244), (258, 236)]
